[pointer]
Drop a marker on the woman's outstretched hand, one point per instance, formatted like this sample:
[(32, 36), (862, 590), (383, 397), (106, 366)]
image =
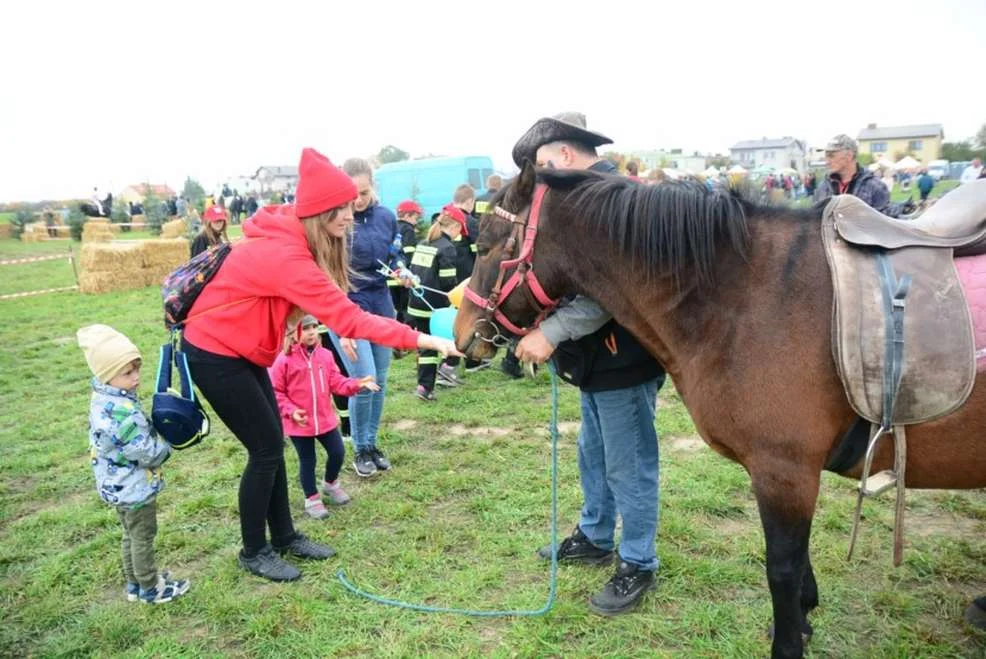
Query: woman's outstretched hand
[(438, 344)]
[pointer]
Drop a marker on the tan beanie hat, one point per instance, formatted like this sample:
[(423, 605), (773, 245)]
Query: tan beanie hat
[(107, 351)]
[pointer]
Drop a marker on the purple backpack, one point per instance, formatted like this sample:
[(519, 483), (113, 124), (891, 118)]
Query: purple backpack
[(182, 287)]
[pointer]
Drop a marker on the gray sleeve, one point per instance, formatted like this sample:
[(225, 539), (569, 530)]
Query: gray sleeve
[(581, 317)]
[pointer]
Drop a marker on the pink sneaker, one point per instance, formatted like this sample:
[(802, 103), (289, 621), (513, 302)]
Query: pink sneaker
[(314, 507), (335, 492)]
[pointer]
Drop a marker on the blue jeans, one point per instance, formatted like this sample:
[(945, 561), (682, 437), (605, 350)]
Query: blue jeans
[(618, 467), (366, 407)]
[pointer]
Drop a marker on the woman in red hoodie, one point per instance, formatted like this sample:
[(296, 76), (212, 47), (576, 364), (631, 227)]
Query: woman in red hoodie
[(304, 377), (294, 259)]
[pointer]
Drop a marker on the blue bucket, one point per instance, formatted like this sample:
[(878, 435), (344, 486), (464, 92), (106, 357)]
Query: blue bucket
[(442, 321)]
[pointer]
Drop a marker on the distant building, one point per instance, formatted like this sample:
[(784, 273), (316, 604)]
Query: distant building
[(922, 141), (777, 153), (137, 193), (276, 178), (675, 158)]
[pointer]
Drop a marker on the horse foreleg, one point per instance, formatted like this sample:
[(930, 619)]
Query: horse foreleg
[(787, 504)]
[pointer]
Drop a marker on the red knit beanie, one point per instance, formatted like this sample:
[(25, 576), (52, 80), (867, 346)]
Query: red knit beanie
[(321, 185)]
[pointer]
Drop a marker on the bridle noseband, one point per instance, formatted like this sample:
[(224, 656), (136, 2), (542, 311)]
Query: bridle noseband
[(523, 273)]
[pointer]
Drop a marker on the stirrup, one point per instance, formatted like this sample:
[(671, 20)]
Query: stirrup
[(871, 486)]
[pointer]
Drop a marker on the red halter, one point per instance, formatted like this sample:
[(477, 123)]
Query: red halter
[(524, 272)]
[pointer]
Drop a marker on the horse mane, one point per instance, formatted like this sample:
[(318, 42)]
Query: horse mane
[(670, 227)]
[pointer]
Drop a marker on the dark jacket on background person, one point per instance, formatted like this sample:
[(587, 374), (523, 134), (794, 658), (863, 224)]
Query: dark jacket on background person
[(865, 185), (436, 263), (609, 358), (374, 230)]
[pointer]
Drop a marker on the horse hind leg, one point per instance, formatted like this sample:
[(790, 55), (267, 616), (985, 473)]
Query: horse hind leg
[(787, 504)]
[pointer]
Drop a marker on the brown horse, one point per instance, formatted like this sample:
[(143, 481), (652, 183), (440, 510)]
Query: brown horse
[(735, 300)]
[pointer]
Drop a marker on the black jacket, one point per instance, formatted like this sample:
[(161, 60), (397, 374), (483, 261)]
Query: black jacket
[(436, 263), (609, 358)]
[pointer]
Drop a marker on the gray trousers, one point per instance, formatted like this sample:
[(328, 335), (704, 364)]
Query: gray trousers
[(137, 548)]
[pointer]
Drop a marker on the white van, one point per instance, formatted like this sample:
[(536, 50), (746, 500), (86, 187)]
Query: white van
[(938, 169)]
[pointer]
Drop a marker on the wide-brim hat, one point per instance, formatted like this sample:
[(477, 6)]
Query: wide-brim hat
[(561, 127)]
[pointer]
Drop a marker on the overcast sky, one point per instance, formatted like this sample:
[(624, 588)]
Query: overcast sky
[(112, 93)]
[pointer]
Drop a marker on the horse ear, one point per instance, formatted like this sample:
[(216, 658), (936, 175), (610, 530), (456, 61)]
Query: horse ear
[(526, 180)]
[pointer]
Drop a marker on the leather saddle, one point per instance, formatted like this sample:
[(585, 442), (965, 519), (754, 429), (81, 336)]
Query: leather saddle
[(900, 319)]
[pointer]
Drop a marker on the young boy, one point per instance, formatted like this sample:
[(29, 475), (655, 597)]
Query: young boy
[(126, 457), (408, 214)]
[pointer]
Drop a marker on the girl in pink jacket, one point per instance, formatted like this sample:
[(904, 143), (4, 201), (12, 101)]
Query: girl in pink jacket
[(304, 377)]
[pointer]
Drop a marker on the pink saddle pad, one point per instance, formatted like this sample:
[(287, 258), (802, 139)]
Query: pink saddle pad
[(972, 274)]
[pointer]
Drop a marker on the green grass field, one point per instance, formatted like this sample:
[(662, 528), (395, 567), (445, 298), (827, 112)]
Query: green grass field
[(455, 523)]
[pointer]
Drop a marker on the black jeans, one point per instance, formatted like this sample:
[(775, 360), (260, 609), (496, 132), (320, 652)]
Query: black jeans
[(242, 396), (334, 450)]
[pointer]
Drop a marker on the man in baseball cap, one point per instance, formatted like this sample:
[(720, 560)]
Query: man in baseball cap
[(846, 176)]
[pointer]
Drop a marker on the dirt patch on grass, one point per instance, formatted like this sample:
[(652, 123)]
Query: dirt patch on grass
[(569, 427), (928, 525), (404, 424), (687, 444), (460, 430)]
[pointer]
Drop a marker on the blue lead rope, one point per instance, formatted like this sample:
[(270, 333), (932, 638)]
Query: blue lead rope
[(553, 580)]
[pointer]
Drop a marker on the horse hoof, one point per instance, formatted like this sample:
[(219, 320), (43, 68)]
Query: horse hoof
[(806, 631), (975, 613)]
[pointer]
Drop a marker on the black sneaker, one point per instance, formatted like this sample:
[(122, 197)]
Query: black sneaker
[(364, 464), (269, 565), (302, 547), (576, 548), (379, 459), (624, 591)]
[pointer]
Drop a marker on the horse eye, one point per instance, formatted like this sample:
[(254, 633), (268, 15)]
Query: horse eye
[(482, 250)]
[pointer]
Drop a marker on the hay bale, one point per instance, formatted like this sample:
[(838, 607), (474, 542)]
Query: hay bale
[(173, 229), (97, 230), (5, 231), (155, 276), (105, 282), (164, 252), (111, 257), (34, 232)]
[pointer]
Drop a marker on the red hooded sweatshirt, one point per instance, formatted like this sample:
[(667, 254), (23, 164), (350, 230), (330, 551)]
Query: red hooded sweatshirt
[(243, 310), (306, 380)]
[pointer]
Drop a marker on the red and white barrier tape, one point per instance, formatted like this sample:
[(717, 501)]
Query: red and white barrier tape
[(9, 296), (35, 259)]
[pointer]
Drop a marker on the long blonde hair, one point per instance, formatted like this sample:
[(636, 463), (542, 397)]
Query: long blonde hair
[(442, 222), (215, 237), (330, 253)]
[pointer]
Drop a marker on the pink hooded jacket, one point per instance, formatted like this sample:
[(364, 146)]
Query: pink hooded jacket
[(305, 381)]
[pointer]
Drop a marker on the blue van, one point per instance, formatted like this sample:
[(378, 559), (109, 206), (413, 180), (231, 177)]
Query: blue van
[(430, 181)]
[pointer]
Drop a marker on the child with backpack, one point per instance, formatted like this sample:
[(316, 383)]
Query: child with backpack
[(126, 456), (305, 376), (435, 263)]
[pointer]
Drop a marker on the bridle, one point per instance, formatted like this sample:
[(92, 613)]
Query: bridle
[(522, 274)]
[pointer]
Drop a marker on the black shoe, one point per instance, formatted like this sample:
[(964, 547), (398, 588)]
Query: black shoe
[(302, 547), (379, 459), (624, 591), (364, 464), (576, 548), (511, 368), (269, 565)]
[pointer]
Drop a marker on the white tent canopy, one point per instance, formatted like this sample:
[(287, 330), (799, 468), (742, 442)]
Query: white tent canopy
[(907, 162), (711, 171)]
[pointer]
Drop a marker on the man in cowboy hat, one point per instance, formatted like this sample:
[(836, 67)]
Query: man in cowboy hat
[(618, 381)]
